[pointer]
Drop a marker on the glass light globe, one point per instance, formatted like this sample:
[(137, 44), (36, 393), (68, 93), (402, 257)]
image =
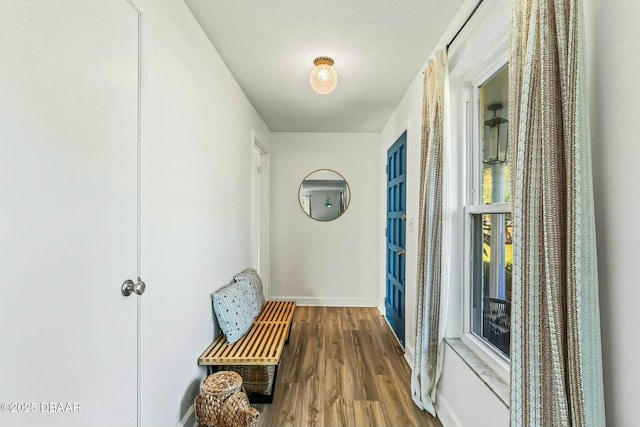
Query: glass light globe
[(323, 77)]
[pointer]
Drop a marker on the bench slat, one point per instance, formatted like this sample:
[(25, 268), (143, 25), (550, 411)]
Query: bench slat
[(276, 311), (261, 346)]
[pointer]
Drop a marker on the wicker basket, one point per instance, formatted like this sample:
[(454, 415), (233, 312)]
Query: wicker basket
[(256, 379), (221, 384), (223, 402)]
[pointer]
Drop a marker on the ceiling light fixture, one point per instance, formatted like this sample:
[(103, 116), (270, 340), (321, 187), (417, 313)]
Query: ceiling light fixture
[(328, 203), (323, 77)]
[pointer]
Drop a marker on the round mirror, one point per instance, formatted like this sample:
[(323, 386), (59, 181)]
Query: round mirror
[(324, 195)]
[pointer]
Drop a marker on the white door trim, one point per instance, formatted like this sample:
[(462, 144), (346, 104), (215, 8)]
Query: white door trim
[(260, 179)]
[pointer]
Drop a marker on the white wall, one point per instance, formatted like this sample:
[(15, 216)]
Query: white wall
[(463, 399), (325, 263), (613, 90), (197, 152)]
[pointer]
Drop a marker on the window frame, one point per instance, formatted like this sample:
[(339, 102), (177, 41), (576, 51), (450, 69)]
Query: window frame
[(479, 74)]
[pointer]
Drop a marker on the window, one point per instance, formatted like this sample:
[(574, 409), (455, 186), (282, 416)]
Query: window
[(489, 216)]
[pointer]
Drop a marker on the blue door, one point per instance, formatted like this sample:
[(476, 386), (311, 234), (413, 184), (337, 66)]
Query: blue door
[(396, 217)]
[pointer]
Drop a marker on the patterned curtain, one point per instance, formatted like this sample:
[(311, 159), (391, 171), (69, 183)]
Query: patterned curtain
[(556, 366), (431, 286)]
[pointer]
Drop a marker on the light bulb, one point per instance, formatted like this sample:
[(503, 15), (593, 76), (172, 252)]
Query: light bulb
[(324, 75)]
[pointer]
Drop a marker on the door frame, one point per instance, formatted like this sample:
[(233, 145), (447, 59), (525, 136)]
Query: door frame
[(138, 219), (260, 178)]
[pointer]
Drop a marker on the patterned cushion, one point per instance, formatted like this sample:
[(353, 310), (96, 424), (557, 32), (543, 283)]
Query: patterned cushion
[(232, 311), (252, 296), (251, 276)]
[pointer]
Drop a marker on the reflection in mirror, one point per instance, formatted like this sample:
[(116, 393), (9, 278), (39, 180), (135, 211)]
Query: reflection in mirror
[(324, 195)]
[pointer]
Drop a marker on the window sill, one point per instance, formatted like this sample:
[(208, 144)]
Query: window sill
[(498, 364), (487, 375)]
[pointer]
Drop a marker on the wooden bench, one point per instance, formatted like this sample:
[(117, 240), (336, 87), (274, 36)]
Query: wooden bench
[(261, 346)]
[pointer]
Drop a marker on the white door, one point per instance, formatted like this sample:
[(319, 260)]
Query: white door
[(68, 213)]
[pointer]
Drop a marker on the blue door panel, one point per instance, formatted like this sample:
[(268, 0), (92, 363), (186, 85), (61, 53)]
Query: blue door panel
[(396, 235)]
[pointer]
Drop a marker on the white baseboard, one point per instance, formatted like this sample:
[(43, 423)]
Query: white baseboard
[(409, 352), (330, 302), (408, 349), (189, 418), (446, 416)]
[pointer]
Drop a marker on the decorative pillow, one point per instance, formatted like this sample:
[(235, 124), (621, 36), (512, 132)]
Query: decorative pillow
[(251, 275), (232, 311), (252, 296)]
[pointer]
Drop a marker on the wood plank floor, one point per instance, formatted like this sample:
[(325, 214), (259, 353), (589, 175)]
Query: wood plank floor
[(342, 367)]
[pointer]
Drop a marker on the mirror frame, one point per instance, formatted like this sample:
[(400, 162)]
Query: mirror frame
[(300, 192)]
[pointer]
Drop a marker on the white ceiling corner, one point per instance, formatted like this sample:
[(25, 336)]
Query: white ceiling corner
[(378, 47)]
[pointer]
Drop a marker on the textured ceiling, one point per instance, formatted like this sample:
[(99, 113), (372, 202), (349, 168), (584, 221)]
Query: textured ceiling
[(378, 47)]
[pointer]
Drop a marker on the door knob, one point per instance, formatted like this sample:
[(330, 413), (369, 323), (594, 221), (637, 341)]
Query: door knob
[(403, 217), (129, 287), (401, 252)]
